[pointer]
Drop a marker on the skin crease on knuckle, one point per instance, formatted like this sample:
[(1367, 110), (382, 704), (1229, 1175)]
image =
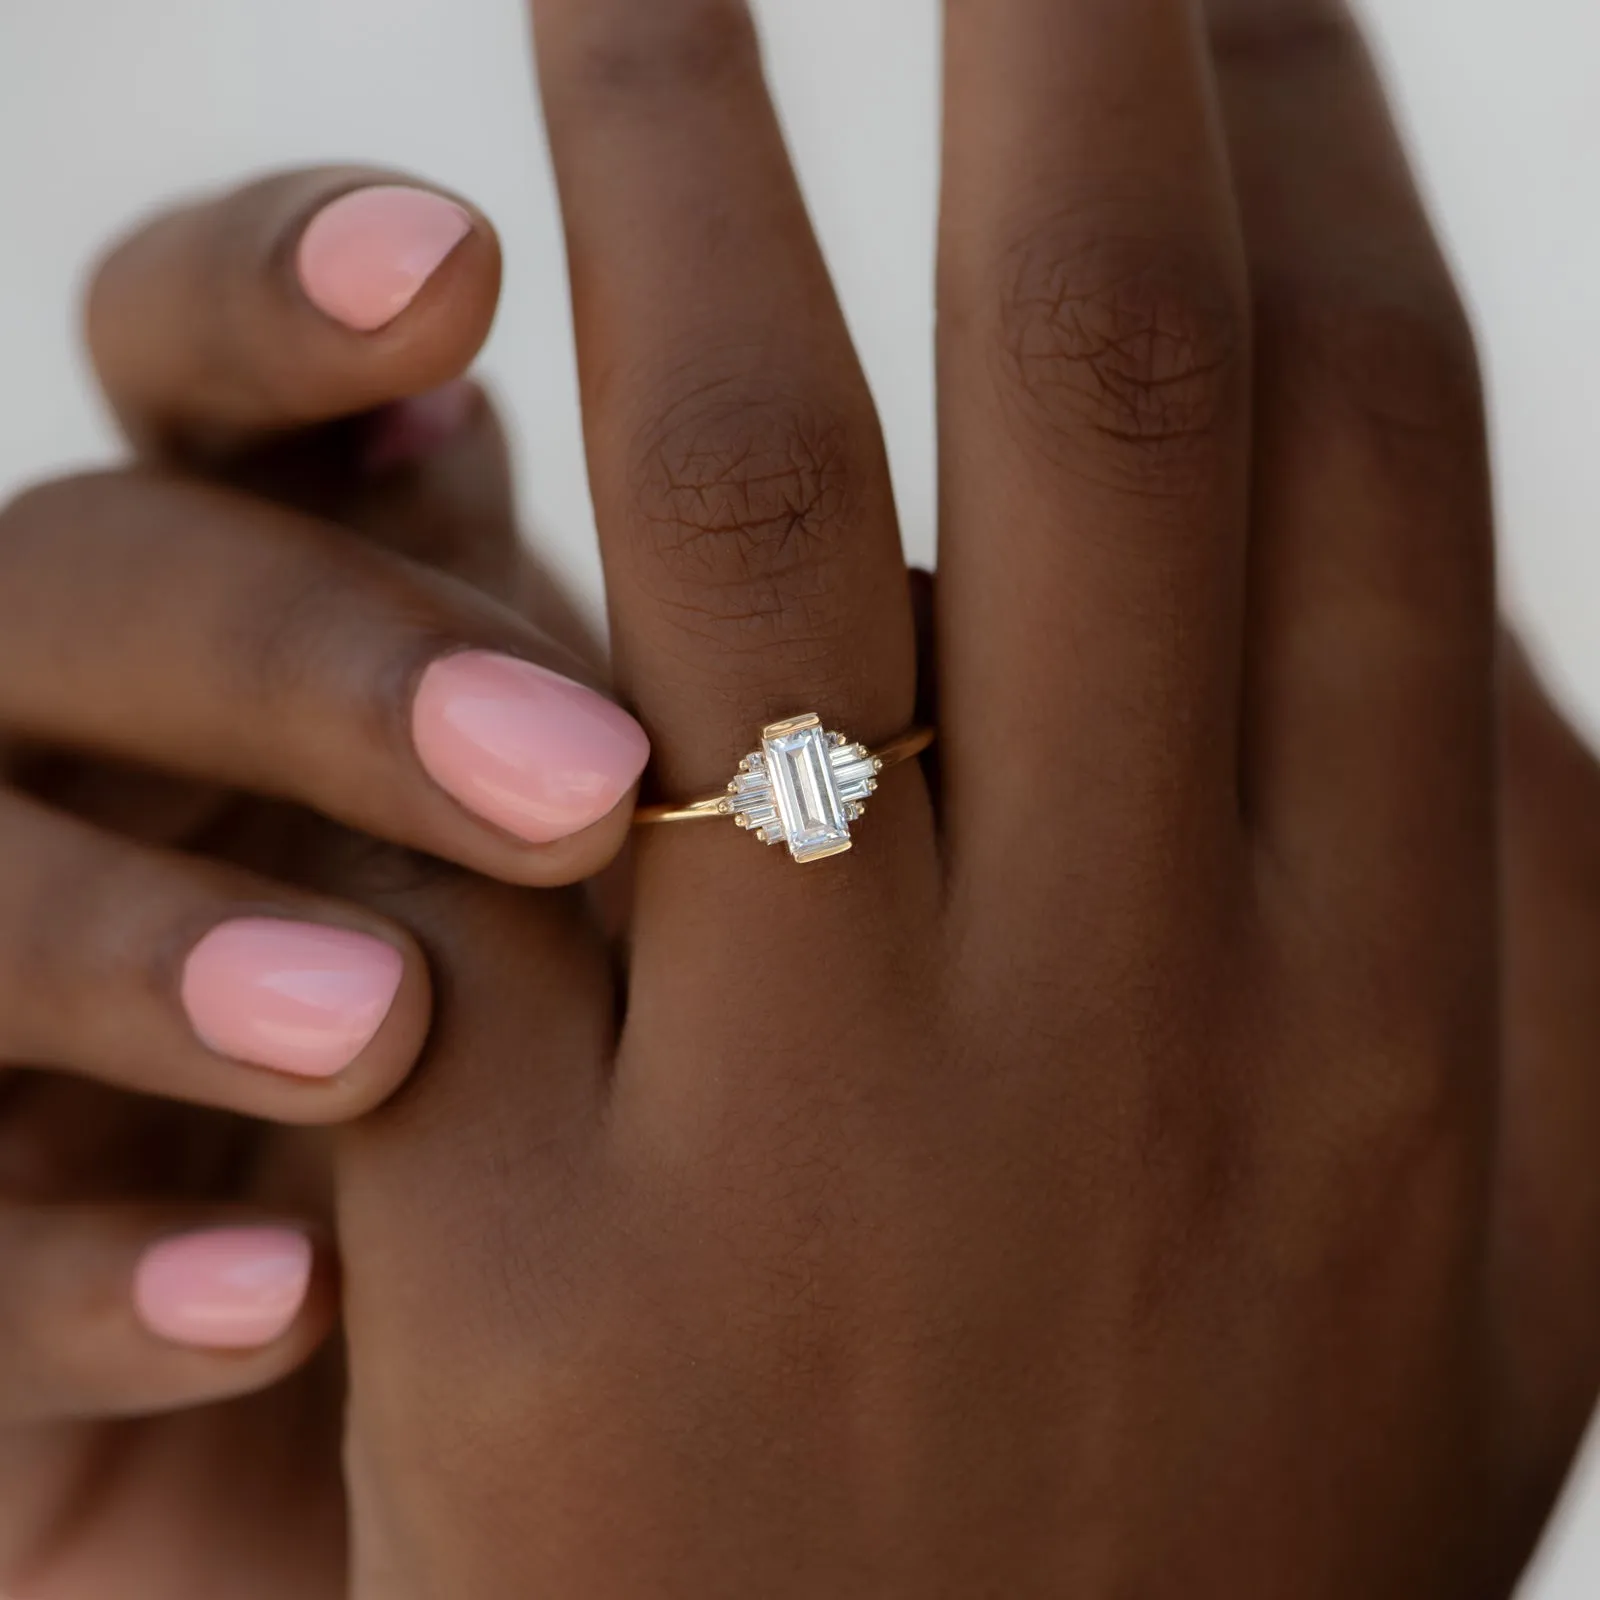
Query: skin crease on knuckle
[(1110, 341), (744, 506), (663, 49), (1389, 379)]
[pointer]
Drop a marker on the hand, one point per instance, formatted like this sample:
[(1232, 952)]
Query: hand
[(180, 641), (1093, 1184)]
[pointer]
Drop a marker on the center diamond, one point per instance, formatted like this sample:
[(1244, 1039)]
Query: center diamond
[(805, 788)]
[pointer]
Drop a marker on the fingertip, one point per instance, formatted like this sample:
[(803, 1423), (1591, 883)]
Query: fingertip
[(298, 997), (530, 751), (366, 255), (324, 1019), (295, 300), (390, 1051), (579, 857), (136, 1310), (418, 427), (225, 1288)]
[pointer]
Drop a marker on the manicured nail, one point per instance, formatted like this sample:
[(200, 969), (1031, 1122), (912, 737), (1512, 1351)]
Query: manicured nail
[(534, 752), (224, 1289), (293, 996), (411, 429), (364, 257)]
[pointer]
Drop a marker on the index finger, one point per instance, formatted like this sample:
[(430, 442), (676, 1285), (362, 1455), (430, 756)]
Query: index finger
[(301, 298)]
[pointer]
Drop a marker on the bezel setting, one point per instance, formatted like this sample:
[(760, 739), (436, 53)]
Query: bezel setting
[(803, 788)]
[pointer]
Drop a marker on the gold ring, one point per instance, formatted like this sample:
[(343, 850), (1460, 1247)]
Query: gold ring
[(803, 787)]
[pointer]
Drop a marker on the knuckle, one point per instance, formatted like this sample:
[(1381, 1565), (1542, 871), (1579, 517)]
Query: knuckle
[(742, 504), (39, 514), (1391, 1129), (1273, 37), (309, 627), (1120, 343), (674, 48), (282, 642), (58, 933), (1390, 384), (1403, 368), (1394, 1159)]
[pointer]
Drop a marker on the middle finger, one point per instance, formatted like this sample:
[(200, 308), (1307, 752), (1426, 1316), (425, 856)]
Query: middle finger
[(1093, 393)]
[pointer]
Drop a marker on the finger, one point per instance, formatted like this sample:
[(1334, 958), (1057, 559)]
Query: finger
[(304, 297), (431, 478), (427, 476), (1370, 694), (65, 1137), (743, 501), (1549, 1180), (128, 1311), (267, 390), (213, 332), (195, 982), (1093, 424), (221, 639)]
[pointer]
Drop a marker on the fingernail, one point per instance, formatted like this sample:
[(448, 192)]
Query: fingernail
[(413, 428), (524, 748), (225, 1288), (292, 996), (365, 256)]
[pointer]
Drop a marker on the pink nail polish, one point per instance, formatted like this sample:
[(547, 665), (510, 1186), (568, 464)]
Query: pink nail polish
[(411, 429), (365, 256), (534, 752), (294, 996), (225, 1288)]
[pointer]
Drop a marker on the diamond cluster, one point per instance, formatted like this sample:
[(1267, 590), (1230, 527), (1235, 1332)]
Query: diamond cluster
[(803, 788)]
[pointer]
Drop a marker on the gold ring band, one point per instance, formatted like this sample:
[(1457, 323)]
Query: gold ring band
[(803, 787)]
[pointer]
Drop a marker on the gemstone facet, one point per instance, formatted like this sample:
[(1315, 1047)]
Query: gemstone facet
[(803, 788), (797, 758)]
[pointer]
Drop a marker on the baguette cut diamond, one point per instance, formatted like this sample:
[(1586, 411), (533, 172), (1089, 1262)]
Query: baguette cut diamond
[(811, 812), (802, 788)]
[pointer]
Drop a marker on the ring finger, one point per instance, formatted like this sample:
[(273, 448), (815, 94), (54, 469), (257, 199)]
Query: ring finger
[(741, 490)]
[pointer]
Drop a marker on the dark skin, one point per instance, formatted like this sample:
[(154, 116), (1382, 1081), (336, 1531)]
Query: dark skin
[(1164, 1165), (118, 1473)]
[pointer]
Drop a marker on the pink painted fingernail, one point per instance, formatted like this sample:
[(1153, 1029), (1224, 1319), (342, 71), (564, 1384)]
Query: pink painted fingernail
[(294, 996), (534, 752), (411, 429), (225, 1288), (365, 256)]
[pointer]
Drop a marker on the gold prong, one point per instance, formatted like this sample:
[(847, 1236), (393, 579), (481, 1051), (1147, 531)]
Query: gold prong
[(723, 807), (877, 764), (822, 853), (776, 730)]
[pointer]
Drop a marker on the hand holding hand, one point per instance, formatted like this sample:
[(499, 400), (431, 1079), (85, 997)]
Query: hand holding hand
[(298, 627), (1102, 1180)]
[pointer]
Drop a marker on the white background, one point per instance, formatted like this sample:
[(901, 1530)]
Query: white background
[(108, 106)]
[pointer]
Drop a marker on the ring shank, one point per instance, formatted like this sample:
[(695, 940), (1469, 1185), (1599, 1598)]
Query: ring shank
[(904, 747)]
